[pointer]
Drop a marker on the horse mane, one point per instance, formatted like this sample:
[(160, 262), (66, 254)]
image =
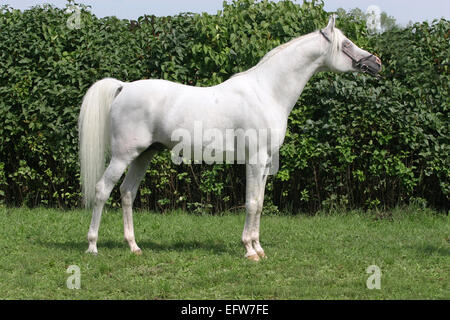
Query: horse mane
[(336, 46), (272, 53), (281, 47), (337, 38)]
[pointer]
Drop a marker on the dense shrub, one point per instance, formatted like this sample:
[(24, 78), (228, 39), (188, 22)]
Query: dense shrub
[(352, 141)]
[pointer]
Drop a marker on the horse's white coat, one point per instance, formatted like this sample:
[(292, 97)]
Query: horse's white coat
[(148, 111)]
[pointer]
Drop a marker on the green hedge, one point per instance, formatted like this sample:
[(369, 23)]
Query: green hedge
[(352, 141)]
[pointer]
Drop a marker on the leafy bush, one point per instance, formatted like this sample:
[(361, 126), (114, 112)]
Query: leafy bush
[(352, 141)]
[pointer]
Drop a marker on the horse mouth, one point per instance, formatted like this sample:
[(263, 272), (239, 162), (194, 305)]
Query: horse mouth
[(374, 72), (370, 65)]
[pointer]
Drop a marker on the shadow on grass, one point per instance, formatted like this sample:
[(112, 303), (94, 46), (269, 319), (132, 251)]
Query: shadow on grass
[(146, 245), (431, 249)]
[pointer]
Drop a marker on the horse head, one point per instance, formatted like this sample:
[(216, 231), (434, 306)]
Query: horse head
[(344, 56)]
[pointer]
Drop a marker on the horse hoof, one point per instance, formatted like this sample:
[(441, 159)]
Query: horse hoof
[(138, 252), (253, 257), (261, 254), (92, 251)]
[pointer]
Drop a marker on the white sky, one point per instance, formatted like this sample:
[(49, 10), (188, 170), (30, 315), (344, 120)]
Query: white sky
[(402, 10)]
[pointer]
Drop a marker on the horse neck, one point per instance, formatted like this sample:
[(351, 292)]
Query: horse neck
[(285, 74)]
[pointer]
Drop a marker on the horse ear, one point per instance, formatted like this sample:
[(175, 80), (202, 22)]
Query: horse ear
[(331, 23)]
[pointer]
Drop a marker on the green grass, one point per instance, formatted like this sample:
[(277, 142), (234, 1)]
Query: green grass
[(200, 257)]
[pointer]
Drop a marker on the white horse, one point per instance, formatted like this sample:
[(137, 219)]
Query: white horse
[(132, 120)]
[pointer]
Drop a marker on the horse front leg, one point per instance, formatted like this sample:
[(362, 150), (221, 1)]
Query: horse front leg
[(255, 182), (255, 233)]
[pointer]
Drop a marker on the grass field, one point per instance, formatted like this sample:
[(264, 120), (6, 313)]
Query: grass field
[(200, 257)]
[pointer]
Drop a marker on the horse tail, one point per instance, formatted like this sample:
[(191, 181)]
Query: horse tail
[(94, 134)]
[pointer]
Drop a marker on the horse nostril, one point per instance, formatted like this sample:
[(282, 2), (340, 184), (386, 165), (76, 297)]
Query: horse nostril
[(378, 61)]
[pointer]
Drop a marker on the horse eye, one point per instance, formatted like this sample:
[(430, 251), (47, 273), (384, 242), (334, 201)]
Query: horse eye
[(347, 44)]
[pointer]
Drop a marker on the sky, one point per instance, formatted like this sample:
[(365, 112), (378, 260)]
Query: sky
[(403, 11)]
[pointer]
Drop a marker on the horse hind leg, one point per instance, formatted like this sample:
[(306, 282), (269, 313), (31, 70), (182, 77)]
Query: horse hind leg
[(128, 191), (103, 190)]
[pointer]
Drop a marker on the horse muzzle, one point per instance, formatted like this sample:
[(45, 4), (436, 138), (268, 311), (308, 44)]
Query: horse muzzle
[(370, 65)]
